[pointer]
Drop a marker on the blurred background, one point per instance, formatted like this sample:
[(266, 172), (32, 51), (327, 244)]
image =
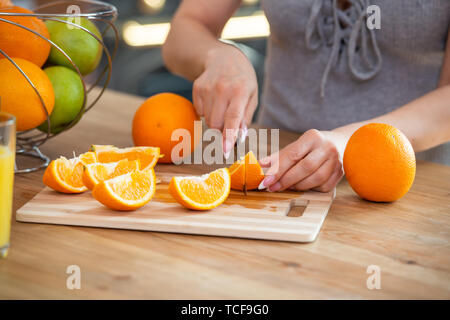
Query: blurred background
[(138, 67)]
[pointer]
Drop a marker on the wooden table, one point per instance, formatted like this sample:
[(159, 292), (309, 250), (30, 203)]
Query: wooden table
[(408, 240)]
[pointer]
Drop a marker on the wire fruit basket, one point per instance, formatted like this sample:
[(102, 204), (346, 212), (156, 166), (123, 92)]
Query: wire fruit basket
[(103, 15)]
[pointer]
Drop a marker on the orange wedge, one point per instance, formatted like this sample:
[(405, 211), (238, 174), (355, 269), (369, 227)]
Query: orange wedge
[(126, 192), (148, 156), (246, 170), (66, 175), (95, 172), (201, 192)]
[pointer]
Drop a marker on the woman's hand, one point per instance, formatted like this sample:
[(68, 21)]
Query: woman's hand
[(313, 161), (226, 93)]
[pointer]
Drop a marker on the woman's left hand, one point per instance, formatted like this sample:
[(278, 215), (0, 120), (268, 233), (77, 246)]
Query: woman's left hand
[(313, 161)]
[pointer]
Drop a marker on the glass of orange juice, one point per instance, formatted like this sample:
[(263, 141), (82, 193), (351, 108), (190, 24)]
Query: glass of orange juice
[(7, 152)]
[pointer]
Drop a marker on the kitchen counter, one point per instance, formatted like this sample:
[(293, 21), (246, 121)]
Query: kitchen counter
[(409, 241)]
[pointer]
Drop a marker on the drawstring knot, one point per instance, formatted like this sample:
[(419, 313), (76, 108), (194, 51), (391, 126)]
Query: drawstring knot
[(339, 28)]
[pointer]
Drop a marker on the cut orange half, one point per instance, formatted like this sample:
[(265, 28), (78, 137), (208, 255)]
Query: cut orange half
[(66, 175), (126, 192), (246, 171), (201, 192), (96, 172), (148, 156)]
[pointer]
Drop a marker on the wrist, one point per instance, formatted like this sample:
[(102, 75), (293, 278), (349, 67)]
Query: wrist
[(338, 138), (224, 50)]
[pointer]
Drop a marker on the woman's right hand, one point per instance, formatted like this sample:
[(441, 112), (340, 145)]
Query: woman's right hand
[(226, 93)]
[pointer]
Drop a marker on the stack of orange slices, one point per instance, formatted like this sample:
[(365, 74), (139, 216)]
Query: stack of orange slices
[(66, 175), (96, 172), (121, 179)]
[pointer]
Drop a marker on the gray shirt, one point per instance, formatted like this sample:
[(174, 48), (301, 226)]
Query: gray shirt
[(411, 43)]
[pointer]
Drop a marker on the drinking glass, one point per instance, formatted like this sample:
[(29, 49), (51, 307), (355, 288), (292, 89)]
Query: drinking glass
[(7, 153)]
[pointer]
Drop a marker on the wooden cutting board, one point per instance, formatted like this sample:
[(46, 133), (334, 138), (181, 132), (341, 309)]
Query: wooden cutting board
[(259, 215)]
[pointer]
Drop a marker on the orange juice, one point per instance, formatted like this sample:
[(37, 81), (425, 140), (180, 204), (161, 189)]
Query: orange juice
[(6, 193)]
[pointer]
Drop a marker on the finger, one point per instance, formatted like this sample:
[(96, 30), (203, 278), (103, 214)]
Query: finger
[(286, 159), (303, 169), (218, 110), (207, 104), (248, 116), (267, 161), (250, 109), (233, 119), (319, 177), (243, 133), (331, 183), (197, 100)]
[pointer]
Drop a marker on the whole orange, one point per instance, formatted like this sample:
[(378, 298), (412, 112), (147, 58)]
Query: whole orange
[(158, 117), (17, 42), (379, 162), (18, 96)]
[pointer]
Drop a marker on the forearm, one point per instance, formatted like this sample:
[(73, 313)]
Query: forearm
[(425, 121), (194, 33), (179, 53)]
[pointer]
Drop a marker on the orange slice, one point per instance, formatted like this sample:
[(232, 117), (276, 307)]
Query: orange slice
[(66, 175), (126, 192), (246, 170), (95, 172), (201, 192), (148, 156)]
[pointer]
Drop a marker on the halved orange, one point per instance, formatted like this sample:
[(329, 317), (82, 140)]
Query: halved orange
[(246, 170), (95, 172), (66, 175), (126, 192), (201, 192), (148, 156)]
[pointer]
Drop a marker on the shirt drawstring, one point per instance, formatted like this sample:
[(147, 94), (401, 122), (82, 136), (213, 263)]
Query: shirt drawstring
[(353, 29)]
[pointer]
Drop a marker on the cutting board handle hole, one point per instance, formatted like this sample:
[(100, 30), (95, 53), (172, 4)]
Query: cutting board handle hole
[(297, 207)]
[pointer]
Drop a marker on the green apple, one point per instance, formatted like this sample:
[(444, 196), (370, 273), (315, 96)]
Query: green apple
[(69, 96), (84, 50)]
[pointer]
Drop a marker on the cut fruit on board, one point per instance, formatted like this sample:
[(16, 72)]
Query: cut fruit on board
[(201, 192), (95, 172), (259, 215), (246, 172), (127, 192), (148, 156), (66, 175)]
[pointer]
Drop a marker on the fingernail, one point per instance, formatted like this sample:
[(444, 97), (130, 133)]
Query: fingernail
[(243, 132), (266, 182), (227, 148), (261, 186), (275, 187), (264, 161)]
